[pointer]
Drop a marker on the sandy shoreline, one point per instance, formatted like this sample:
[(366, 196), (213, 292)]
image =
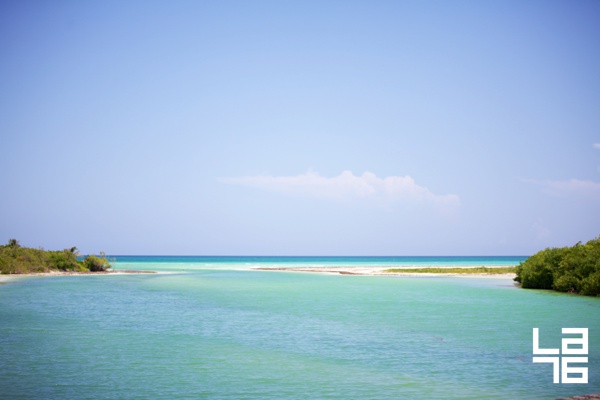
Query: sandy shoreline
[(7, 277), (359, 271), (379, 271)]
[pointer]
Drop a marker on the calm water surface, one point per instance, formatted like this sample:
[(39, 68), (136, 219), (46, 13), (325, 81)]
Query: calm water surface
[(217, 329)]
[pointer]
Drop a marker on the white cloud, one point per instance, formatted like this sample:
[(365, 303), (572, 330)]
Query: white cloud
[(596, 145), (347, 186)]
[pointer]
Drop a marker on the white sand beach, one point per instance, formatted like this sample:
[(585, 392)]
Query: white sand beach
[(9, 277), (380, 271)]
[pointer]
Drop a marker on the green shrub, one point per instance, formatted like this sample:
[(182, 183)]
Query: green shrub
[(96, 264), (573, 269), (63, 260), (567, 283), (591, 286), (15, 259), (538, 270)]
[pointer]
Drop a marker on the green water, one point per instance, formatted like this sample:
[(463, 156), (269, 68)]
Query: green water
[(243, 334)]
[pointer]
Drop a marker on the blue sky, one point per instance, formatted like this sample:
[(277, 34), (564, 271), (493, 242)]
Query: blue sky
[(300, 128)]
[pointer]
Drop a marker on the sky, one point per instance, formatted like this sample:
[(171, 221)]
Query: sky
[(300, 127)]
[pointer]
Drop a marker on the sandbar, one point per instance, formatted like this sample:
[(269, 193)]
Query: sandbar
[(8, 277), (380, 271)]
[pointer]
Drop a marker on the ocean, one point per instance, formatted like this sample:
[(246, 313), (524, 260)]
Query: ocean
[(214, 328)]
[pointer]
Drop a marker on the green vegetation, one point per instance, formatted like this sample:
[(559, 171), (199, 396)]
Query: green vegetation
[(568, 269), (15, 259), (463, 270)]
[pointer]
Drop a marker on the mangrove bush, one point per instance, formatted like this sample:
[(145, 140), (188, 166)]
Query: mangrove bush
[(16, 259), (573, 269)]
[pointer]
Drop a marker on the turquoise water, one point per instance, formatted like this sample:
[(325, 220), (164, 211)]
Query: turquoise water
[(217, 329), (188, 263)]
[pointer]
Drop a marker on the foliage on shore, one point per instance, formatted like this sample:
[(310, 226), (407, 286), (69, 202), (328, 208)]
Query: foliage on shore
[(461, 270), (573, 269), (15, 259)]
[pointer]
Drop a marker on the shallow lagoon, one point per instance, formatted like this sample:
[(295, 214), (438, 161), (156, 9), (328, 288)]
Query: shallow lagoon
[(230, 332)]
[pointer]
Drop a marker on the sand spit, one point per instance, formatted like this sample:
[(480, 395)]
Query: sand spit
[(7, 277), (379, 271)]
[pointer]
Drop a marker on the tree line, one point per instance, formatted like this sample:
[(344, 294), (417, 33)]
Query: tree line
[(574, 269), (16, 259)]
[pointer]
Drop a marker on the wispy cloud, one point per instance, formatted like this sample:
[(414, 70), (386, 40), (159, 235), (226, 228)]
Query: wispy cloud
[(573, 187), (596, 145), (347, 186)]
